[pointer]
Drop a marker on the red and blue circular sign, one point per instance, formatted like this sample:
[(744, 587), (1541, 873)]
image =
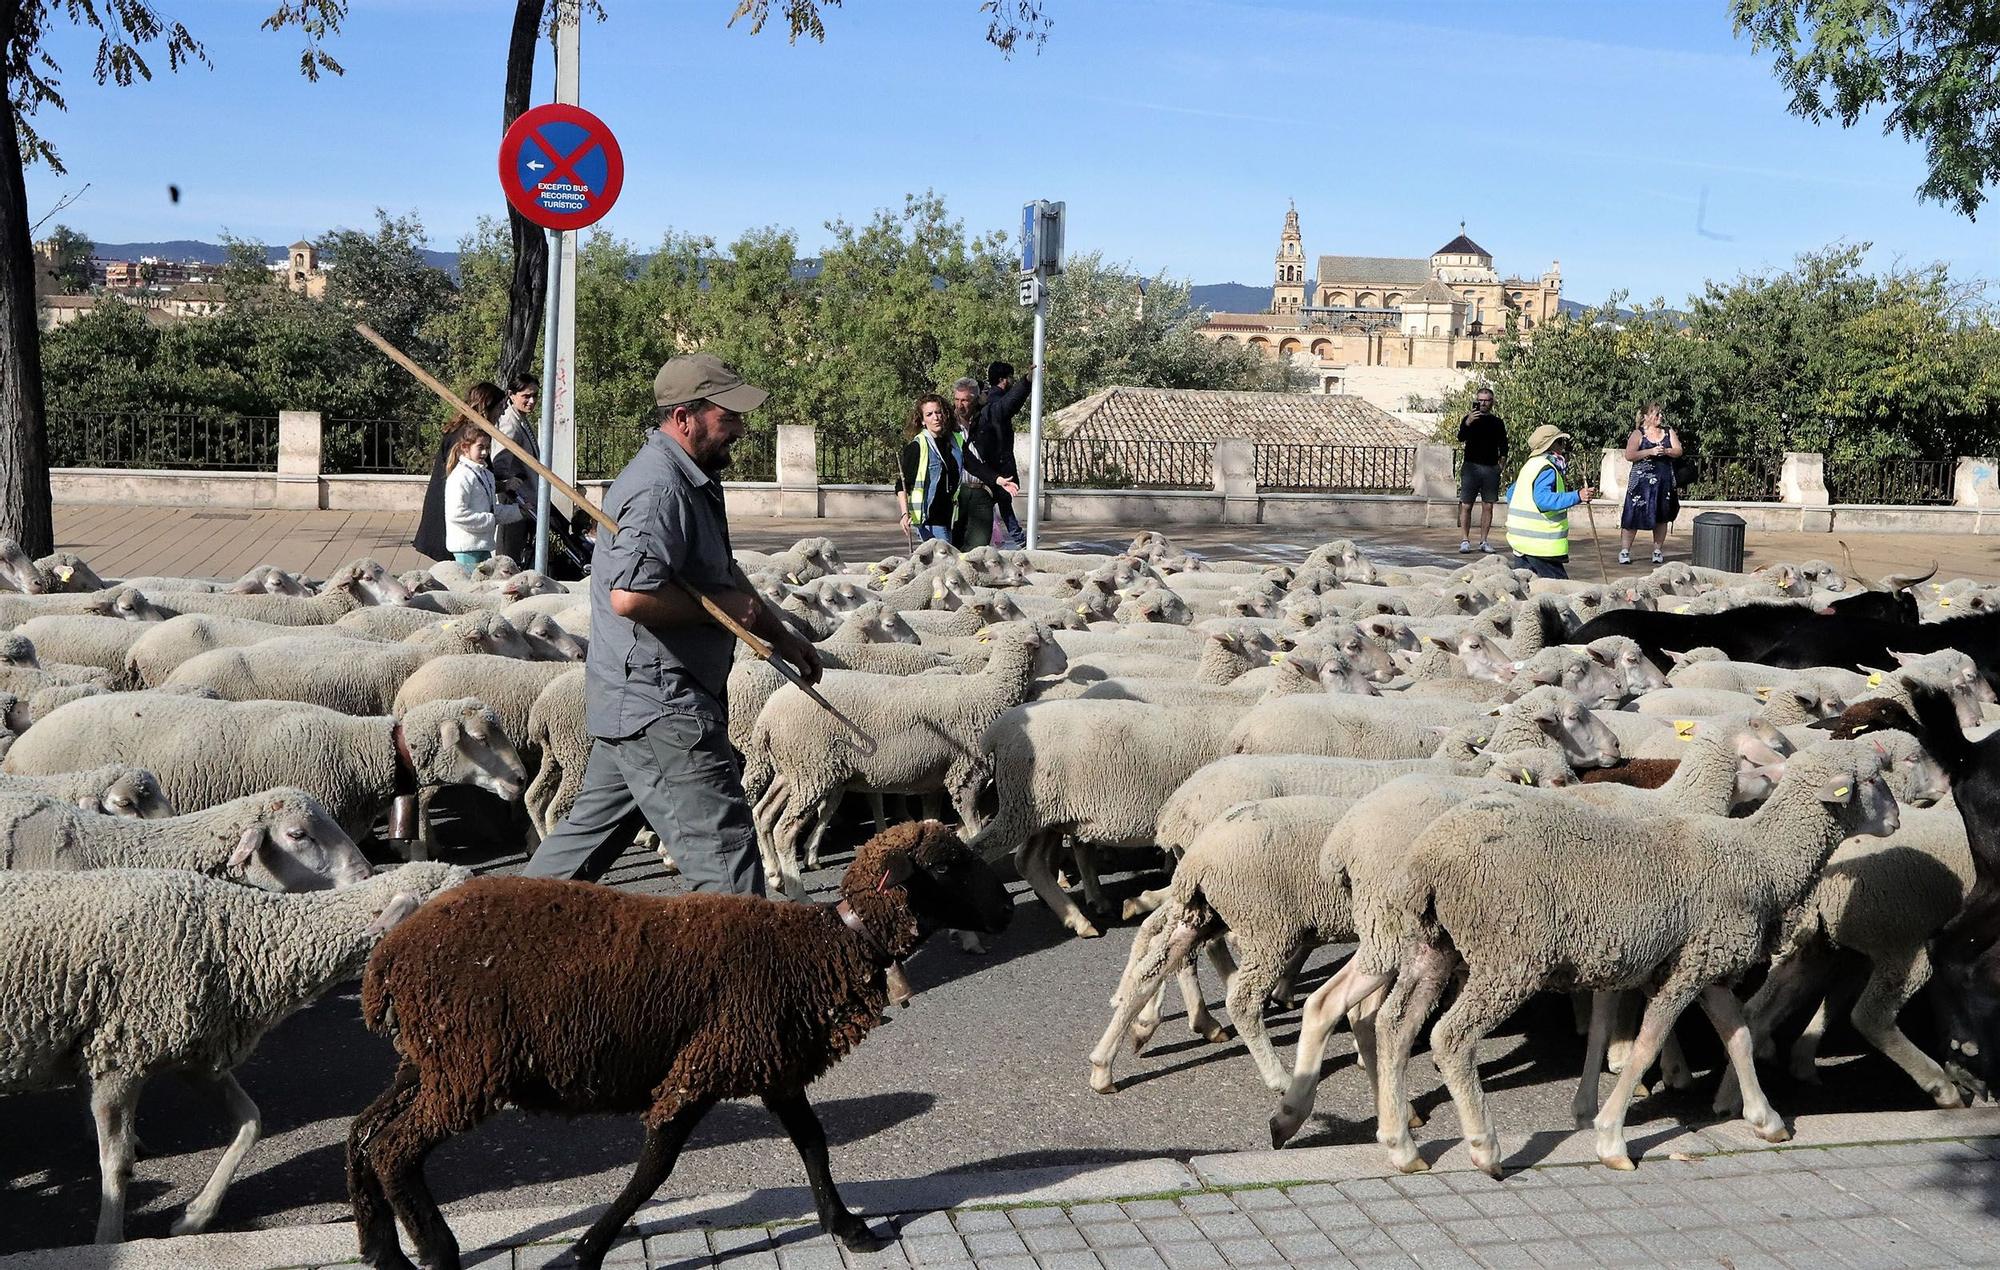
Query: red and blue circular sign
[(560, 166)]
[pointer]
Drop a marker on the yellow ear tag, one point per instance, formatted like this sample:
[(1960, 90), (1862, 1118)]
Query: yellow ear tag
[(63, 572), (1875, 680), (792, 578), (1841, 792), (1277, 657), (1083, 609), (1937, 586), (1479, 740), (1527, 777), (1859, 730), (1684, 729), (1944, 602), (1682, 608), (1764, 693)]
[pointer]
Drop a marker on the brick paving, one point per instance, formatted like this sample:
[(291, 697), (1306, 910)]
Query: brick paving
[(1901, 1205), (1845, 1204)]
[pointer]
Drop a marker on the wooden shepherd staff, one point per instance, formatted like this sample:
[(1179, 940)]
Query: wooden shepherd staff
[(758, 646)]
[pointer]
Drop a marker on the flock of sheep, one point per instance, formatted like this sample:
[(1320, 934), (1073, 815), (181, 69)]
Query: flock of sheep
[(1492, 785)]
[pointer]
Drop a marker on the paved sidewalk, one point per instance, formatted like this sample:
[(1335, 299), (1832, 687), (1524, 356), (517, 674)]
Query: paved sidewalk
[(1866, 1191), (130, 541)]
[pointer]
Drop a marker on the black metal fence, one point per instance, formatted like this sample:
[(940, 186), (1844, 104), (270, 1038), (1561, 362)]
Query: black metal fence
[(1897, 482), (142, 439), (1336, 469), (1128, 464), (863, 458), (370, 447), (603, 450), (1731, 478)]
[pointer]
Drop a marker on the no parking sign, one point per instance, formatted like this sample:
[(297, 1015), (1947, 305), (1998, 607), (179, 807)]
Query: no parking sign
[(560, 166)]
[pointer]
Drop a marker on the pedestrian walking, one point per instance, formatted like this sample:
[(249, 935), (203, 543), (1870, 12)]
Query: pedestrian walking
[(522, 423), (994, 441), (931, 472), (1483, 436), (1652, 499), (982, 481), (474, 509), (485, 397), (1538, 504), (658, 666)]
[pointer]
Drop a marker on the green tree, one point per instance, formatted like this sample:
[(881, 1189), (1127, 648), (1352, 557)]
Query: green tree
[(385, 278), (125, 30), (1929, 61), (69, 255)]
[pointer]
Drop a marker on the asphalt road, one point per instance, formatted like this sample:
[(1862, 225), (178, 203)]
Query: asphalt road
[(985, 1071)]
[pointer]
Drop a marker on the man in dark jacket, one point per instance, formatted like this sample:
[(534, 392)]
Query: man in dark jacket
[(993, 437)]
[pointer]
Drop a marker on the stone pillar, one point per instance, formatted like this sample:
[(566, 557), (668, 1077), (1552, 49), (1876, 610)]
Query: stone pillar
[(1802, 481), (298, 458), (1976, 483), (798, 471), (1024, 459), (1614, 476), (1234, 469), (1430, 476)]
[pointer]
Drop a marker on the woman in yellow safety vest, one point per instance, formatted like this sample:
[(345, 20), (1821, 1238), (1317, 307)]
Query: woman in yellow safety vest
[(1538, 505), (933, 462)]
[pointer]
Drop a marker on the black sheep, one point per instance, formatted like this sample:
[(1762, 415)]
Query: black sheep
[(571, 997)]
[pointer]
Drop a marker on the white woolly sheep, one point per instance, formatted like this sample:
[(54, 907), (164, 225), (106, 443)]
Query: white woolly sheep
[(164, 646), (341, 674), (89, 1004), (1679, 905), (122, 602), (208, 752), (80, 639), (113, 790), (279, 840), (352, 586), (799, 762)]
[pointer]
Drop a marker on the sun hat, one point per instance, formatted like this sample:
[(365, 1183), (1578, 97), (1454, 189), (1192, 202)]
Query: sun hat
[(1543, 437)]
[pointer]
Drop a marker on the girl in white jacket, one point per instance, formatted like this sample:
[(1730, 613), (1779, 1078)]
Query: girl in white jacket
[(472, 510)]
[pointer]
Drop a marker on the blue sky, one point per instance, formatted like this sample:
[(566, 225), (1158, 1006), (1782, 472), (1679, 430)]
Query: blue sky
[(1175, 130)]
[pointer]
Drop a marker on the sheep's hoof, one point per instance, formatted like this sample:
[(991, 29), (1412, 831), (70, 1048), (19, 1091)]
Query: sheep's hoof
[(968, 941), (1212, 1032), (1945, 1095), (1084, 930), (1773, 1130), (190, 1223), (1100, 1078), (1130, 909), (1623, 1163), (1285, 1126), (858, 1238)]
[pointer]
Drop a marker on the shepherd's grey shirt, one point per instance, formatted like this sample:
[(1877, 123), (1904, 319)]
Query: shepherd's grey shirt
[(671, 527)]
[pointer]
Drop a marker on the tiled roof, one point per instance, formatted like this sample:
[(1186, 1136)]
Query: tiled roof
[(1195, 414), (1433, 292), (1407, 270), (1462, 246)]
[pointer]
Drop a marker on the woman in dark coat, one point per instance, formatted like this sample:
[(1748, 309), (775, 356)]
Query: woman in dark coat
[(487, 399), (1651, 502)]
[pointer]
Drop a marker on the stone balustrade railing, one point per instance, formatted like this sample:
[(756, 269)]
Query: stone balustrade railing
[(1235, 497)]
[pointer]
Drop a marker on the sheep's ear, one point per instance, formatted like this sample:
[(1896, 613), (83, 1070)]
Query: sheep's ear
[(1838, 790), (1904, 659), (1833, 724), (246, 848), (896, 870), (1601, 656), (448, 733), (1677, 659)]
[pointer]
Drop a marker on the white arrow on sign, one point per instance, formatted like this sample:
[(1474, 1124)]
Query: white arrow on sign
[(534, 166)]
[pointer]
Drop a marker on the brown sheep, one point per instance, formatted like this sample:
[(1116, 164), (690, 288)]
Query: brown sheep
[(1876, 714), (571, 997), (1640, 773)]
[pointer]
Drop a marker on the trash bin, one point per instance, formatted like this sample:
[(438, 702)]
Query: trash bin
[(1718, 541)]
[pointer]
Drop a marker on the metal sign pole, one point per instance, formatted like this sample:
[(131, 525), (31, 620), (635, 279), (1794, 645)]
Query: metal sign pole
[(1035, 422), (548, 428), (560, 387)]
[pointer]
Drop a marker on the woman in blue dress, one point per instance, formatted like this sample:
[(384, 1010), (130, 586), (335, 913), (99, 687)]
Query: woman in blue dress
[(1650, 499)]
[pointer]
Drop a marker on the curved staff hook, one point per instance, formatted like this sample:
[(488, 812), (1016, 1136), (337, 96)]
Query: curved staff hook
[(759, 647)]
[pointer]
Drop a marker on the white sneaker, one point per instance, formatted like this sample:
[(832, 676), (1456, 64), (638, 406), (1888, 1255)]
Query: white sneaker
[(1464, 546), (1486, 547), (1659, 557), (1624, 557)]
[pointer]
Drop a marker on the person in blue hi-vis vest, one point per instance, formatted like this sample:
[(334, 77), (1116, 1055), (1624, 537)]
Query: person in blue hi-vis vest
[(1538, 504)]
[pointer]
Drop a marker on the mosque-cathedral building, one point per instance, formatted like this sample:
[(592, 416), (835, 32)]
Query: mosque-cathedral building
[(1444, 312)]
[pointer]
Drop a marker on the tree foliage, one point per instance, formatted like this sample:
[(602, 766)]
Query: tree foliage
[(1930, 62), (1823, 357), (69, 253), (1009, 22)]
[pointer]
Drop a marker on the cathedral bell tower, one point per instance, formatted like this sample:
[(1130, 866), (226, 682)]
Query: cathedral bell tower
[(1288, 284)]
